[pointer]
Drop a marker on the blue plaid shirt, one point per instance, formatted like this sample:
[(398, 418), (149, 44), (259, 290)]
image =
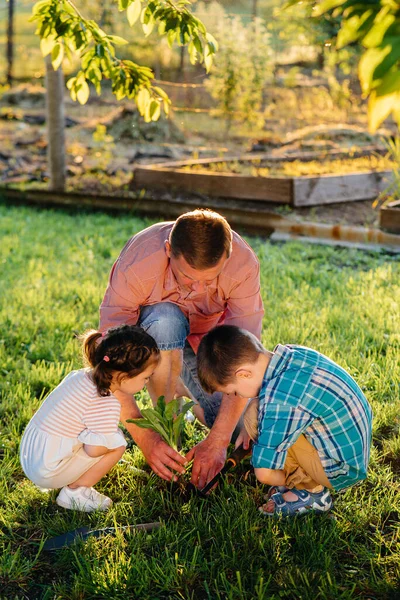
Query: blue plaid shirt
[(304, 392)]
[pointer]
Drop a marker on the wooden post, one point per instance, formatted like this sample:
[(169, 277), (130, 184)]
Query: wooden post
[(10, 41), (55, 126)]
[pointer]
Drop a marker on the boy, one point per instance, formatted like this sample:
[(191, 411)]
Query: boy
[(314, 422)]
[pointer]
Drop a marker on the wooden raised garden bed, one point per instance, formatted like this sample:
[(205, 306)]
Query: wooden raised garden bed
[(389, 217), (176, 176)]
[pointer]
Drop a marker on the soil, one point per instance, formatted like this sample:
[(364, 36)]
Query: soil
[(103, 161)]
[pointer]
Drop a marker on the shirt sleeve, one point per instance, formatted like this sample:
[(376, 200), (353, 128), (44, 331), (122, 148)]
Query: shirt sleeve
[(279, 428), (245, 307), (122, 300), (101, 420)]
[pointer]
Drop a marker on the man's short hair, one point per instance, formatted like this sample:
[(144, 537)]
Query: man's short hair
[(202, 237), (222, 351)]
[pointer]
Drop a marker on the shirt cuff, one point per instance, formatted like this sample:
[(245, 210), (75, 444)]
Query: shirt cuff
[(267, 458), (109, 440)]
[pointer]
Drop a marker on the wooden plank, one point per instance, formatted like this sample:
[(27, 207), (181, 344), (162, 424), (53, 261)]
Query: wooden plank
[(329, 189), (276, 156), (222, 185), (253, 217), (389, 217)]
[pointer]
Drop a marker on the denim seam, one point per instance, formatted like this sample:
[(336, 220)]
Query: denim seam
[(172, 345)]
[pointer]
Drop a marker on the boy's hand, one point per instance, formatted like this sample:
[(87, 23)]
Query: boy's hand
[(243, 438), (209, 458)]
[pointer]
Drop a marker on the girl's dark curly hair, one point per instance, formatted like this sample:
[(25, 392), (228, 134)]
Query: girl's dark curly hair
[(126, 349)]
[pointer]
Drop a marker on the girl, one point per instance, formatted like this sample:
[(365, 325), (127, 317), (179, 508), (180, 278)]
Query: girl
[(73, 440)]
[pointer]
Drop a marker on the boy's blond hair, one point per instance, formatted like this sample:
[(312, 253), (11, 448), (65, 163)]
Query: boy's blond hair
[(250, 419)]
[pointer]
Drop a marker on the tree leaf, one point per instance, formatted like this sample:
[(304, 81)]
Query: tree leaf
[(370, 60), (155, 110), (142, 100), (133, 12), (57, 55), (351, 29), (117, 40), (380, 107), (82, 92), (376, 34), (47, 44), (392, 47)]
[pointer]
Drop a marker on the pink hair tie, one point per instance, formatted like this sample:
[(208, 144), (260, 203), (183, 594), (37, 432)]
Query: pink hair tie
[(106, 358), (103, 335)]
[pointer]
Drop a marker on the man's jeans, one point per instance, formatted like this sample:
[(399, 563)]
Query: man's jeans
[(169, 327)]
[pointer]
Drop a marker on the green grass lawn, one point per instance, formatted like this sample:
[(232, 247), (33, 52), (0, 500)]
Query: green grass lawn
[(343, 302)]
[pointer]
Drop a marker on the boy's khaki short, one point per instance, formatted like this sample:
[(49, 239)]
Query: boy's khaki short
[(303, 468)]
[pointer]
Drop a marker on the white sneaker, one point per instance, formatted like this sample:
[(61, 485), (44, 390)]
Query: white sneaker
[(83, 498)]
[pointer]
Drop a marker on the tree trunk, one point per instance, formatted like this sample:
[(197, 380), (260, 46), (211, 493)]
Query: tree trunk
[(55, 126), (10, 41), (255, 9)]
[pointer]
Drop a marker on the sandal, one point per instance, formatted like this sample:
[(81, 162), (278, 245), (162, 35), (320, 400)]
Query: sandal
[(274, 489), (306, 502)]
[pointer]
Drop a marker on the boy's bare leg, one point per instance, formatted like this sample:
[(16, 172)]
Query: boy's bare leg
[(165, 377), (101, 468)]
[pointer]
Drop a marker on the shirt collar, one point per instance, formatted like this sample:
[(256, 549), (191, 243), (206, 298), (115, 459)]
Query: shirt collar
[(278, 362)]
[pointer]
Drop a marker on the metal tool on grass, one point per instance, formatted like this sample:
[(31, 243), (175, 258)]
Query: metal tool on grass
[(66, 539), (234, 459)]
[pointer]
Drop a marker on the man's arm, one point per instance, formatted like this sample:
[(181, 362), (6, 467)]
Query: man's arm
[(157, 453), (122, 299), (245, 307)]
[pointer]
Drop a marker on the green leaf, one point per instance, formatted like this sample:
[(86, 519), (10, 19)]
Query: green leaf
[(178, 428), (47, 45), (376, 34), (212, 42), (142, 100), (172, 408), (123, 4), (161, 405), (351, 29), (155, 110), (187, 406), (82, 92), (151, 415), (171, 37), (117, 40), (57, 55), (148, 27), (326, 5), (391, 58), (143, 423), (39, 7), (133, 12), (380, 107), (369, 61), (208, 58), (390, 83)]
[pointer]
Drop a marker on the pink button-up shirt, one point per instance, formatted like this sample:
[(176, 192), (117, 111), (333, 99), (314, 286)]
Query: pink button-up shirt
[(142, 276)]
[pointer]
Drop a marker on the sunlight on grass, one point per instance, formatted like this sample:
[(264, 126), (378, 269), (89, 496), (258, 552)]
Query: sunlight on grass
[(343, 302)]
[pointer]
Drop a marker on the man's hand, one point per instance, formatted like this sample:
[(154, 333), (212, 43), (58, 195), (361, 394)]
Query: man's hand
[(160, 456), (209, 458)]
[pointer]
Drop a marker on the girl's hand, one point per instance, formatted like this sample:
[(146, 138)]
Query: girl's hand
[(160, 456)]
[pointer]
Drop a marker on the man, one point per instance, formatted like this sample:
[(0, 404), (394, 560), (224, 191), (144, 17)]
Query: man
[(178, 280)]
